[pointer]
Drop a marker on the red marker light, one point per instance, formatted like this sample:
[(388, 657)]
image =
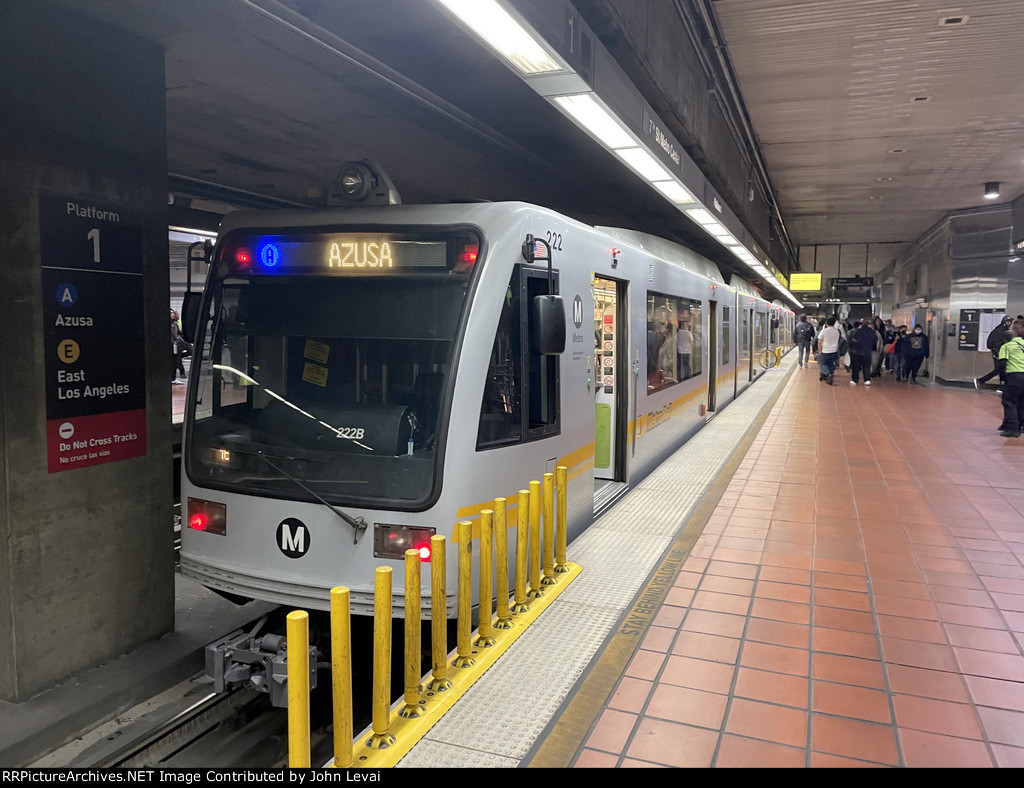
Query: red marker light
[(425, 553), (207, 516), (469, 254)]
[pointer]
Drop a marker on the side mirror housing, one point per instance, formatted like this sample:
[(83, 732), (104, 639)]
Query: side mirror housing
[(547, 324)]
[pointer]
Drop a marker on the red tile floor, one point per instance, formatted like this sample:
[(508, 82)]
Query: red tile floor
[(856, 599)]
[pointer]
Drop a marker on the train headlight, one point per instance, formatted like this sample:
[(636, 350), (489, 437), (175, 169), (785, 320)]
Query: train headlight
[(207, 516), (391, 541)]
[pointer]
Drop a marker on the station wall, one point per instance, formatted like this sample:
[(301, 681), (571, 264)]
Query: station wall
[(86, 559)]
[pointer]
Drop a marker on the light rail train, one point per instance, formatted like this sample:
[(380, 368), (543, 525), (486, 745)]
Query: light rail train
[(364, 378)]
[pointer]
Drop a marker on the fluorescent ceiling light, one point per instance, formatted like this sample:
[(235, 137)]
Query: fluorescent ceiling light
[(584, 109), (511, 40), (701, 216), (644, 163), (676, 192)]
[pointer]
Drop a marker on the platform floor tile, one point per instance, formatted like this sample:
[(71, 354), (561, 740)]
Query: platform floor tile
[(507, 711)]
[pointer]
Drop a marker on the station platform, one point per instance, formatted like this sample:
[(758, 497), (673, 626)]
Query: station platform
[(825, 576)]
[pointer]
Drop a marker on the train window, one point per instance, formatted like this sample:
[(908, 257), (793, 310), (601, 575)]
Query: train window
[(521, 390), (674, 340), (335, 382), (726, 333), (501, 414)]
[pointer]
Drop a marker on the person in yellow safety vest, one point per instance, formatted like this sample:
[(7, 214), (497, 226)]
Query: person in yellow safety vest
[(1011, 359)]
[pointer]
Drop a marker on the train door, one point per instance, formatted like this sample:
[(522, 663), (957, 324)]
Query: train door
[(746, 356), (712, 352), (611, 378)]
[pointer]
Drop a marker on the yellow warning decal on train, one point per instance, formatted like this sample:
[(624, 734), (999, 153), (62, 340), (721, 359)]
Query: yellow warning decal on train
[(316, 351), (317, 375)]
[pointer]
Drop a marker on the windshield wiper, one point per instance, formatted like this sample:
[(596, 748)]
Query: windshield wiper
[(358, 523)]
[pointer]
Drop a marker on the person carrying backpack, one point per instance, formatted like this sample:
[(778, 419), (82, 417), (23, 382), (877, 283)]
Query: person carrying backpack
[(803, 335), (997, 337)]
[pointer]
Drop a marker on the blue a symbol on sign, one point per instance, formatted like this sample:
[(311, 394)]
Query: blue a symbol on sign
[(577, 311), (67, 294)]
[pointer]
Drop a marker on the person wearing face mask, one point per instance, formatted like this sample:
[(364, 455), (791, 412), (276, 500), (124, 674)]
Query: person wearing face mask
[(915, 352)]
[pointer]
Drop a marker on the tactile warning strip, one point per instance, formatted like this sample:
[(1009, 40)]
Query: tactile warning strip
[(497, 722)]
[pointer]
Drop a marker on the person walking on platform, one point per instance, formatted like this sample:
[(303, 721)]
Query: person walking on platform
[(828, 350), (901, 353), (889, 336), (176, 342), (876, 357), (997, 337), (915, 352), (1011, 364), (863, 342), (803, 335)]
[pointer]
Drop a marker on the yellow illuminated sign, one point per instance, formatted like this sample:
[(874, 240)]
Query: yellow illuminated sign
[(805, 282)]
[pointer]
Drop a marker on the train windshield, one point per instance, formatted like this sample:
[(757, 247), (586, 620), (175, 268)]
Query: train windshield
[(325, 384)]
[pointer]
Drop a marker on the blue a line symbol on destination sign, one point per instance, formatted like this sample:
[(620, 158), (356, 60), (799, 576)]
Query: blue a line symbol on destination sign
[(67, 294)]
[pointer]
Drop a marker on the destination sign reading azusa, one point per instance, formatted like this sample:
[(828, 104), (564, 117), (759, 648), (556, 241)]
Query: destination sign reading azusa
[(93, 332), (336, 253)]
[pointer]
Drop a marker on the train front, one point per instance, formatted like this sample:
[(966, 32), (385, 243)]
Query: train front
[(318, 404)]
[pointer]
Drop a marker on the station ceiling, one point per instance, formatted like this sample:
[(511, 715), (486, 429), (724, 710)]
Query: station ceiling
[(874, 117)]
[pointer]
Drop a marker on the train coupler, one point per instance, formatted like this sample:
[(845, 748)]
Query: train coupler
[(259, 663)]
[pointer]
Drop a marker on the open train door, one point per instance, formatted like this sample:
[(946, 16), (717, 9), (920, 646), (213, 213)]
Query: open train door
[(611, 389)]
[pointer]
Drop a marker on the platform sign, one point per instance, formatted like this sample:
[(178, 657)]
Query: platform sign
[(805, 282), (974, 327), (93, 332)]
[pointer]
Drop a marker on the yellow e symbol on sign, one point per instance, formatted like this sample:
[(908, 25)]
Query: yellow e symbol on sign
[(67, 351)]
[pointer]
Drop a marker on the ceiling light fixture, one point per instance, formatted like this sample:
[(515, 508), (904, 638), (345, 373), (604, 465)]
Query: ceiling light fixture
[(505, 34), (992, 190)]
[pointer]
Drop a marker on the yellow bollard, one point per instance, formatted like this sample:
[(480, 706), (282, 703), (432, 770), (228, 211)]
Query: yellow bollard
[(439, 681), (465, 621), (522, 543), (504, 620), (549, 530), (412, 707), (341, 674), (486, 637), (298, 689), (535, 587), (381, 739), (561, 524)]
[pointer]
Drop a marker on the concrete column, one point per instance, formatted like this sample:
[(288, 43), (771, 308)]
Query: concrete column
[(86, 562)]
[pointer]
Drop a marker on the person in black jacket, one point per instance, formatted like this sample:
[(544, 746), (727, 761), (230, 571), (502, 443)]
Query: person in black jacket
[(997, 337), (803, 335), (863, 341), (915, 351)]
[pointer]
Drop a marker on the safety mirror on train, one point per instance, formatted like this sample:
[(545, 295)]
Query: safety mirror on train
[(548, 325)]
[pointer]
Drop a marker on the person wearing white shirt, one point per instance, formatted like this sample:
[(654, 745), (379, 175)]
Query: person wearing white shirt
[(684, 348), (828, 350)]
